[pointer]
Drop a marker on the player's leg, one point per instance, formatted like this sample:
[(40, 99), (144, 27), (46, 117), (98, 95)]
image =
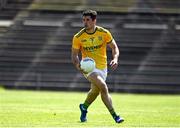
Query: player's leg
[(100, 83), (105, 96), (91, 96)]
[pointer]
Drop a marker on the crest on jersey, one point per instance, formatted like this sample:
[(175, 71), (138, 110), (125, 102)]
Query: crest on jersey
[(100, 38)]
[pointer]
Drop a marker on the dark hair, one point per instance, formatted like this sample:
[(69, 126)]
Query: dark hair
[(90, 13)]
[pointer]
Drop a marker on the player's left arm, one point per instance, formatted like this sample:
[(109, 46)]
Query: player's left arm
[(115, 54)]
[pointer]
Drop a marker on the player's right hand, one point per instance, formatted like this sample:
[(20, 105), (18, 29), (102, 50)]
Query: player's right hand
[(81, 70)]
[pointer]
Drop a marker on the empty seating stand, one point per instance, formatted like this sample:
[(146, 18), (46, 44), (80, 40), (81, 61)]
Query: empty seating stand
[(35, 50)]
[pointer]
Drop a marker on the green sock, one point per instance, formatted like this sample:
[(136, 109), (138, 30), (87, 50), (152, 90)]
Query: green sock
[(86, 105), (113, 113)]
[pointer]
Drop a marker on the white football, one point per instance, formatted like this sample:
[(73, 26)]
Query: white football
[(87, 64)]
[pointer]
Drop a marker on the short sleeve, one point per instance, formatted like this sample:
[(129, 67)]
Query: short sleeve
[(108, 37), (75, 43)]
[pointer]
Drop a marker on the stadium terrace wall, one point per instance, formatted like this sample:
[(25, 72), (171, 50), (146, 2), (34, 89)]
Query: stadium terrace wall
[(36, 45)]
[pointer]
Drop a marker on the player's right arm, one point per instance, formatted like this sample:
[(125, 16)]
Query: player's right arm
[(75, 58), (75, 52)]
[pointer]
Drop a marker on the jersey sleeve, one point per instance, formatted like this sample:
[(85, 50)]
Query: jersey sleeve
[(108, 37), (75, 43)]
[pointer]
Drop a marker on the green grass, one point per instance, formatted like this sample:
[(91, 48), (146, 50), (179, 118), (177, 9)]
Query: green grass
[(60, 109)]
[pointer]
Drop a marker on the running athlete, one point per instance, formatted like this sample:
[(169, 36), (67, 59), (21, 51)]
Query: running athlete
[(92, 41)]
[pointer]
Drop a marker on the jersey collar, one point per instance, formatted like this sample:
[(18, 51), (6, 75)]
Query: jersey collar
[(92, 32)]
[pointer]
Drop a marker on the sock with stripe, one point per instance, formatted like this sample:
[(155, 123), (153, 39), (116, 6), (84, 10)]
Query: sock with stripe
[(113, 113)]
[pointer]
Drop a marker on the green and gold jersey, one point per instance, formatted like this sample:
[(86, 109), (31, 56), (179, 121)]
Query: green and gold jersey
[(93, 45)]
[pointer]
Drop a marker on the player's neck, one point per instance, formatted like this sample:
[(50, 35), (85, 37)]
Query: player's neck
[(91, 30)]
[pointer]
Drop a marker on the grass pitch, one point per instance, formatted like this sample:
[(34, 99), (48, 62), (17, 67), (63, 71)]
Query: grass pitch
[(60, 109)]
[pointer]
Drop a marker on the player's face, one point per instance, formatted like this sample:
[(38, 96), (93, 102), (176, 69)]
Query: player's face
[(88, 22)]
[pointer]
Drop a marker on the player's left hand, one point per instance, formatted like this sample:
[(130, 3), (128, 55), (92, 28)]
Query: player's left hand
[(114, 64)]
